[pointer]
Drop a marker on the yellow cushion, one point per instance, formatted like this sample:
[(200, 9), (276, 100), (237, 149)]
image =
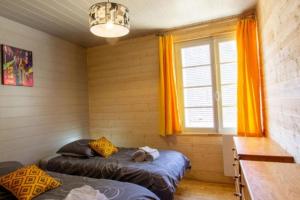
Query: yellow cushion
[(103, 146), (28, 182)]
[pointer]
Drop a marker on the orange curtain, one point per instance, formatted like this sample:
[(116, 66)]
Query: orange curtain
[(170, 122), (249, 82)]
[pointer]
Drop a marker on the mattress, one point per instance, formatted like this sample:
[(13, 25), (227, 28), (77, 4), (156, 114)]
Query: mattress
[(160, 176), (112, 189)]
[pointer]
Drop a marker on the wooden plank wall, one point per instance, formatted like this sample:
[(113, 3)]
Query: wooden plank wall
[(124, 99), (279, 24), (36, 121)]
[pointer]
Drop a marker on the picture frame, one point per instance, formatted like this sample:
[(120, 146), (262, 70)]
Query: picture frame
[(16, 66)]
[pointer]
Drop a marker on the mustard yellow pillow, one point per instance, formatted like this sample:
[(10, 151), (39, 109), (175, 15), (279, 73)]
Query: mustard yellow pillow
[(28, 182), (104, 147)]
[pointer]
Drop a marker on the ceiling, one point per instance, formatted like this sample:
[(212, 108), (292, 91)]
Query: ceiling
[(68, 19)]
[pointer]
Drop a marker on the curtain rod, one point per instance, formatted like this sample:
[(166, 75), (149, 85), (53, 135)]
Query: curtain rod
[(248, 13), (204, 23)]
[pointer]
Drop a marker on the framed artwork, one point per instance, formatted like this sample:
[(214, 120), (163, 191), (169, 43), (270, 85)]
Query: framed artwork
[(16, 66)]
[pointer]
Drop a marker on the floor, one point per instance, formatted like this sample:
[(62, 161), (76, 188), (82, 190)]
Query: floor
[(196, 190)]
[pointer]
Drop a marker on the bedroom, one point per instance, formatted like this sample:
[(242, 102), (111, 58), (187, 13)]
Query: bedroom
[(85, 86)]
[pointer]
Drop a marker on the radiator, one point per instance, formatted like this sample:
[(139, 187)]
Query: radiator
[(228, 155)]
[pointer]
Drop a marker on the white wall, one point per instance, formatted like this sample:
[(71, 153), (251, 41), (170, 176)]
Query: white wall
[(36, 121)]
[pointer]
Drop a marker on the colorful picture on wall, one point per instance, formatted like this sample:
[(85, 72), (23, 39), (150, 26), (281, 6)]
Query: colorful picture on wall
[(16, 66)]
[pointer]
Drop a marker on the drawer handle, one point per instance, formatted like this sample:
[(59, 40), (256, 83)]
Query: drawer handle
[(236, 177), (233, 149), (236, 159), (242, 185), (237, 194)]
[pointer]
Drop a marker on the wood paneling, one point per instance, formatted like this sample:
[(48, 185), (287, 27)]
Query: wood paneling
[(124, 105), (279, 24), (271, 180), (36, 121)]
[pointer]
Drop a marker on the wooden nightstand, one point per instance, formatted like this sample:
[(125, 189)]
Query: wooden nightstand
[(255, 149)]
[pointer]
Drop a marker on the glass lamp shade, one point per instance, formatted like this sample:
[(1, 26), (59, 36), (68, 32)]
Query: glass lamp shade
[(109, 20)]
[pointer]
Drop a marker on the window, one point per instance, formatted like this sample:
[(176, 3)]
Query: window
[(207, 76)]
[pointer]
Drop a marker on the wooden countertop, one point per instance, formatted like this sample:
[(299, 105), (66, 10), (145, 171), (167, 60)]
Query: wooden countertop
[(272, 180), (260, 149)]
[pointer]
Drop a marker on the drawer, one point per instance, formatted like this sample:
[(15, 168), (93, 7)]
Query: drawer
[(245, 194), (244, 189), (237, 176), (236, 164), (238, 192)]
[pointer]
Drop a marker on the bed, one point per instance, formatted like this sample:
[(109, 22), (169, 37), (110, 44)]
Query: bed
[(111, 189), (160, 176)]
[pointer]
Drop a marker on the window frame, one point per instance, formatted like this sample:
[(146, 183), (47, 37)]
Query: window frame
[(216, 83)]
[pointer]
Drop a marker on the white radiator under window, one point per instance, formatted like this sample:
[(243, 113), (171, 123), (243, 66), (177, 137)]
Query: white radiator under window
[(228, 155)]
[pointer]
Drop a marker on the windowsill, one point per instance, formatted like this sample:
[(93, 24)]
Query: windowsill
[(205, 134)]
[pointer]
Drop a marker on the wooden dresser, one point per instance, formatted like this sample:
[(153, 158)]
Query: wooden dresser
[(255, 149), (270, 180)]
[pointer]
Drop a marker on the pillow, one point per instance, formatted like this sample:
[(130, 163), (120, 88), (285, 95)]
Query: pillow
[(103, 147), (28, 182), (9, 166), (78, 148), (6, 168)]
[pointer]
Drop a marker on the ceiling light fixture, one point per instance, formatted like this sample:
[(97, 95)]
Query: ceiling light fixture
[(109, 20)]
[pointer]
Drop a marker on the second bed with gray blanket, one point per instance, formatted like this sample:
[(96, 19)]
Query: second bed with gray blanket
[(113, 190), (161, 176)]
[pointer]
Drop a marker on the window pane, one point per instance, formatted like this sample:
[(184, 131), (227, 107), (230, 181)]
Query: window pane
[(229, 95), (198, 97), (229, 117), (227, 51), (197, 76), (228, 73), (199, 118), (197, 55)]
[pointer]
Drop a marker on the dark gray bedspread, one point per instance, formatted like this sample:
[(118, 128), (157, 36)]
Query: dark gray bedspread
[(161, 176), (113, 190)]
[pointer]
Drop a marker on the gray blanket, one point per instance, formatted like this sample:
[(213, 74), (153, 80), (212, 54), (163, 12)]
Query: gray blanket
[(161, 176), (114, 190)]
